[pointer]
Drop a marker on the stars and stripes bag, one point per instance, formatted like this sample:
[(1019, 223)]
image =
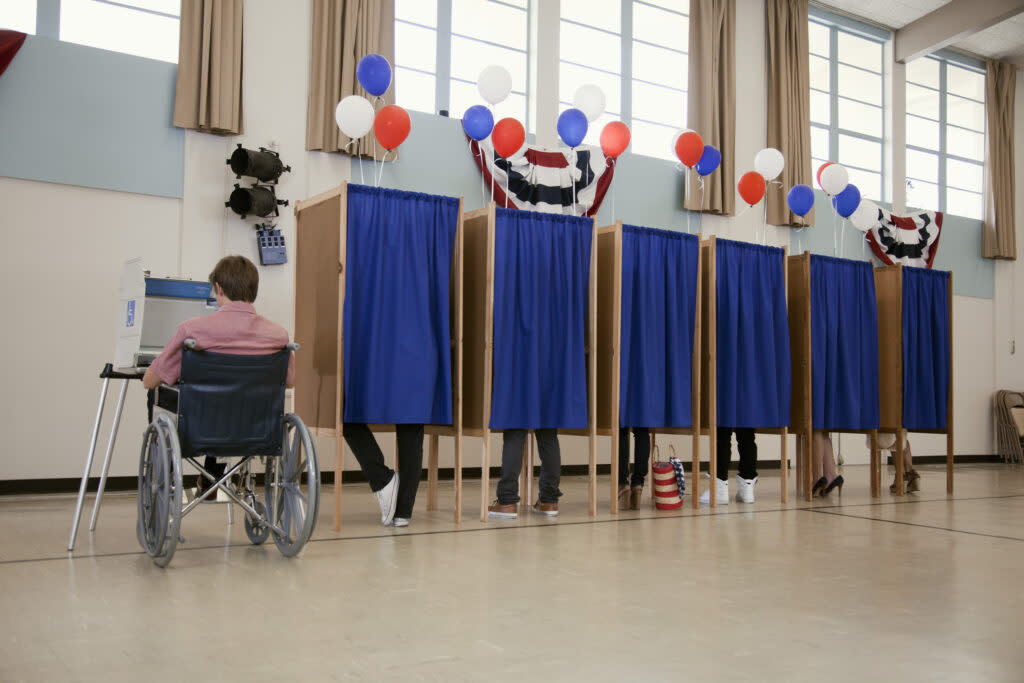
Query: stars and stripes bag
[(669, 481)]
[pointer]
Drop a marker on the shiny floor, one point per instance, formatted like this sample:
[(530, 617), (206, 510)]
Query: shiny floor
[(920, 588)]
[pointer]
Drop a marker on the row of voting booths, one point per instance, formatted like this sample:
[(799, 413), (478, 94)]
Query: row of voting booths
[(413, 312)]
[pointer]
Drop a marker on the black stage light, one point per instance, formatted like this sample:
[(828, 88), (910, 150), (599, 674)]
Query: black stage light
[(264, 165), (257, 200)]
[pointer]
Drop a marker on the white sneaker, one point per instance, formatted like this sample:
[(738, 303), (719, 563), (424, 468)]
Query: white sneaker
[(387, 498), (721, 493), (399, 521), (745, 489)]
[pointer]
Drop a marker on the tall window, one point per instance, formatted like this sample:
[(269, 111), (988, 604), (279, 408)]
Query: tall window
[(441, 47), (945, 135), (848, 99), (18, 15), (146, 28), (600, 40)]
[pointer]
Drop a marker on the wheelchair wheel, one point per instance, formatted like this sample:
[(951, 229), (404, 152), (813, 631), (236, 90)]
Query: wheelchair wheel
[(159, 491), (255, 529), (292, 483)]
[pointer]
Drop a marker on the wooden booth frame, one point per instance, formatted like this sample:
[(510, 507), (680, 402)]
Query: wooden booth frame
[(802, 406), (321, 232), (478, 346), (609, 362), (889, 294), (709, 371)]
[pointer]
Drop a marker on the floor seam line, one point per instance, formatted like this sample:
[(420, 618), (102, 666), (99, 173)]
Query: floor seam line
[(914, 524)]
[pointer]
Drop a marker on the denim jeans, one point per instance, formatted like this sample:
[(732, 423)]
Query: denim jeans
[(410, 461), (512, 465)]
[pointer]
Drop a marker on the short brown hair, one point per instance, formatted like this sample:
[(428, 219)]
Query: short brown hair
[(238, 277)]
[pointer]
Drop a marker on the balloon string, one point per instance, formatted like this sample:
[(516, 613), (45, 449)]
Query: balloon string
[(764, 223), (380, 177), (572, 179), (700, 228)]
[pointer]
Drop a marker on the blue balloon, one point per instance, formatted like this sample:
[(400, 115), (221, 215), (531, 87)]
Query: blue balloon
[(572, 127), (374, 74), (478, 122), (709, 160), (847, 201), (800, 199)]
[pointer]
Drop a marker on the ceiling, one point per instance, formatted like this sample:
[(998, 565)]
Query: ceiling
[(1004, 41)]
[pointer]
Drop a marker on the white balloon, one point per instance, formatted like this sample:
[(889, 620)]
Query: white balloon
[(589, 99), (494, 83), (354, 116), (834, 179), (769, 163), (865, 216)]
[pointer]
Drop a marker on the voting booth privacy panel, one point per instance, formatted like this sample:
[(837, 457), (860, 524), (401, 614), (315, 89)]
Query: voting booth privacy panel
[(530, 325), (915, 347), (648, 338), (378, 292), (833, 325), (745, 341)]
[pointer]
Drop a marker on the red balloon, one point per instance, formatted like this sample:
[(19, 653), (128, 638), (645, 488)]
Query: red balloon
[(614, 139), (508, 136), (689, 148), (751, 187), (822, 168), (391, 126)]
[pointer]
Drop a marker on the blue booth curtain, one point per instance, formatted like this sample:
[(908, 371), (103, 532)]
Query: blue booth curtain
[(844, 344), (397, 338), (541, 285), (753, 336), (659, 303), (925, 348)]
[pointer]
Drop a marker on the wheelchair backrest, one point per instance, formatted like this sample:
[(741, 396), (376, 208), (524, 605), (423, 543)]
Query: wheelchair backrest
[(231, 405)]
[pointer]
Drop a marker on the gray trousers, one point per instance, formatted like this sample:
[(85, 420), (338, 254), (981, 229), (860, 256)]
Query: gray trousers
[(512, 465)]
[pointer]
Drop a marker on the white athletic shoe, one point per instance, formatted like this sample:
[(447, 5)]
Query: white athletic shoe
[(721, 493), (387, 498), (399, 521), (745, 489)]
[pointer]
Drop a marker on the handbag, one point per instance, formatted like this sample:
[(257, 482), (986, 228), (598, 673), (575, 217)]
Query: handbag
[(669, 481)]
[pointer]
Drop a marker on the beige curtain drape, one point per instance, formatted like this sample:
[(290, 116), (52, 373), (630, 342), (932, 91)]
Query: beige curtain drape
[(789, 104), (344, 31), (208, 94), (711, 101), (998, 238)]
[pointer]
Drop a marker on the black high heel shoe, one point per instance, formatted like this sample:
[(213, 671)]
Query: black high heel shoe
[(835, 483), (818, 487)]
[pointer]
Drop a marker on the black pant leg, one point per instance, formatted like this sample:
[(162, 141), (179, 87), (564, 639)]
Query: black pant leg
[(511, 465), (410, 467), (723, 437), (748, 453), (623, 456), (641, 455), (371, 461), (550, 465)]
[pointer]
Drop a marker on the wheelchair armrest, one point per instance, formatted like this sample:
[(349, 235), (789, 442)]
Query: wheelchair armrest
[(190, 343), (292, 346)]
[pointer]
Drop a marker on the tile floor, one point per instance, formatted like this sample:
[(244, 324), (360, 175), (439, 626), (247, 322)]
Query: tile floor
[(920, 588)]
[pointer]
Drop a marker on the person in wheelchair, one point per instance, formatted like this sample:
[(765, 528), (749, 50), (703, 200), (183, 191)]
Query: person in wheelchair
[(235, 328)]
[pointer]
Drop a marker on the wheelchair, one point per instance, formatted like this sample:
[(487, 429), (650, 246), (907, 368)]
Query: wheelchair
[(229, 406)]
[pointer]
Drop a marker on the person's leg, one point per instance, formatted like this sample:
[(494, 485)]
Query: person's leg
[(410, 466), (511, 466), (913, 479), (723, 437), (371, 461), (623, 456), (550, 465), (748, 453), (641, 455)]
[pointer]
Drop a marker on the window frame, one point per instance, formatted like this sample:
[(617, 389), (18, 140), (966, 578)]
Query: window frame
[(835, 24), (945, 58)]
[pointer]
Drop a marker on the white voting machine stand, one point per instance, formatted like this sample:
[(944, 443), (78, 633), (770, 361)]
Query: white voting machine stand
[(171, 303)]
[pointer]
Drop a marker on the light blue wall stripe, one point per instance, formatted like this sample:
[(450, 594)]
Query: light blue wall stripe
[(959, 247), (82, 116)]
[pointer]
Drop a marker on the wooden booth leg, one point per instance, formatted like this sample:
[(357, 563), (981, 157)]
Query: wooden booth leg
[(458, 477), (899, 463), (592, 475), (485, 475), (876, 474), (784, 466), (339, 446), (694, 469), (614, 466), (949, 462), (526, 487), (432, 473), (650, 470)]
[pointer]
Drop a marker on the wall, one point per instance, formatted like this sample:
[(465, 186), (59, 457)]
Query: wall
[(65, 254)]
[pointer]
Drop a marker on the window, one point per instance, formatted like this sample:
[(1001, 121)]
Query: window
[(946, 135), (599, 38), (434, 73), (18, 15), (146, 28), (848, 99)]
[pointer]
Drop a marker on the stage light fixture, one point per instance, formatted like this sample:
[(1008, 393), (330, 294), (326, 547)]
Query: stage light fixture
[(265, 165), (258, 200)]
